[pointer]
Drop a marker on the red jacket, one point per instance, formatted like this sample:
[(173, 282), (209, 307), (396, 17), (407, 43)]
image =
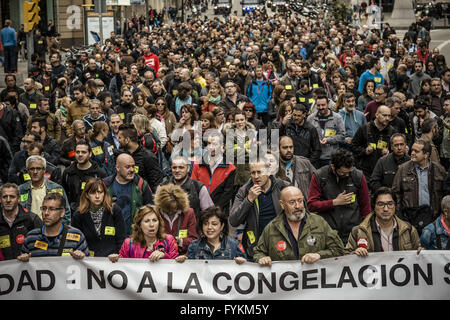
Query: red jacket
[(423, 58), (152, 61), (186, 233), (220, 184)]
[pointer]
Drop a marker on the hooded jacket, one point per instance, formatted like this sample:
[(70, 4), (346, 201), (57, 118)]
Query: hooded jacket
[(333, 130)]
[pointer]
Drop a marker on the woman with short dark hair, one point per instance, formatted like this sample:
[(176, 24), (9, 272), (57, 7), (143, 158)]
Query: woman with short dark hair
[(214, 242)]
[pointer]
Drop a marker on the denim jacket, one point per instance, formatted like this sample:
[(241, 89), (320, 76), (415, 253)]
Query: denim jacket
[(229, 249), (50, 186), (428, 239)]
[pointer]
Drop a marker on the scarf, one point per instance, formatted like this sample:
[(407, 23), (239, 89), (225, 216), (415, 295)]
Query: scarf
[(63, 110), (215, 100), (97, 215), (179, 103)]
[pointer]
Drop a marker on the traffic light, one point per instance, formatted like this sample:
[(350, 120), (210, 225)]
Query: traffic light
[(31, 14)]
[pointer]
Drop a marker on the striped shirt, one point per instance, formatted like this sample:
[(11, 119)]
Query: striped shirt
[(39, 245)]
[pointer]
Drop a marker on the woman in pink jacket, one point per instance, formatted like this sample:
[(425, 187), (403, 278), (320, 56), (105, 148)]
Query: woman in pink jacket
[(148, 239)]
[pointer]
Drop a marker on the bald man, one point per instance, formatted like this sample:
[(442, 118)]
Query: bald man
[(372, 140), (296, 234), (127, 189)]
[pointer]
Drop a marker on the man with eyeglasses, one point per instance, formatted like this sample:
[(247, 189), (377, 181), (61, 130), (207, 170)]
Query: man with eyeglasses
[(55, 238), (32, 192), (372, 140), (232, 99), (15, 221), (381, 94), (289, 237), (382, 230), (338, 192), (386, 167)]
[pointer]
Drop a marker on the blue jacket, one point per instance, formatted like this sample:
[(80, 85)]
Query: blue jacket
[(9, 37), (229, 250), (26, 199), (378, 78), (352, 121), (428, 238), (260, 95)]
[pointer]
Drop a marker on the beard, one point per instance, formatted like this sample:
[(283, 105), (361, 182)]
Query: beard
[(293, 217)]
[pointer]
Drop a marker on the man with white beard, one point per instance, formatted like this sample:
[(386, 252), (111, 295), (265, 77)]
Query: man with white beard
[(296, 231)]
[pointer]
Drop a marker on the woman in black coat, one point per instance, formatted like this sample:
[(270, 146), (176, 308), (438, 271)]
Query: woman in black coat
[(101, 222)]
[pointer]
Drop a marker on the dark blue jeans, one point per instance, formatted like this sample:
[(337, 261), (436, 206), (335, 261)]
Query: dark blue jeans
[(10, 59)]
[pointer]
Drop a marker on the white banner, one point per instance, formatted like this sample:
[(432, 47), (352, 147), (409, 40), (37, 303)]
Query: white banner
[(386, 276)]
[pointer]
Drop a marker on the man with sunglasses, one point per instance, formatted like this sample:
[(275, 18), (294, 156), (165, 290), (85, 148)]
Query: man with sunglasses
[(382, 230), (232, 99)]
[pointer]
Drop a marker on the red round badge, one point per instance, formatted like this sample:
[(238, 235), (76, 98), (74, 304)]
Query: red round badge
[(281, 245), (20, 239)]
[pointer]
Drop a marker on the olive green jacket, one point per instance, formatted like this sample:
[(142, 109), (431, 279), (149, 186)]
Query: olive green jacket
[(274, 241), (408, 238)]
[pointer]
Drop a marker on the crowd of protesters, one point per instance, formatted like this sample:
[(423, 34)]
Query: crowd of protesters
[(144, 147)]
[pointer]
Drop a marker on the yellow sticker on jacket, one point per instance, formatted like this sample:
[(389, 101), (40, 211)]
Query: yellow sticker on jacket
[(251, 237), (353, 197), (315, 85), (41, 245), (57, 190), (302, 99), (136, 169), (122, 115), (381, 144), (32, 105), (83, 184), (288, 87), (330, 132), (311, 100), (24, 197), (5, 242), (110, 231), (183, 233), (97, 151), (66, 252), (377, 79), (174, 92), (47, 88), (373, 145), (91, 253), (73, 237), (40, 42), (26, 177)]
